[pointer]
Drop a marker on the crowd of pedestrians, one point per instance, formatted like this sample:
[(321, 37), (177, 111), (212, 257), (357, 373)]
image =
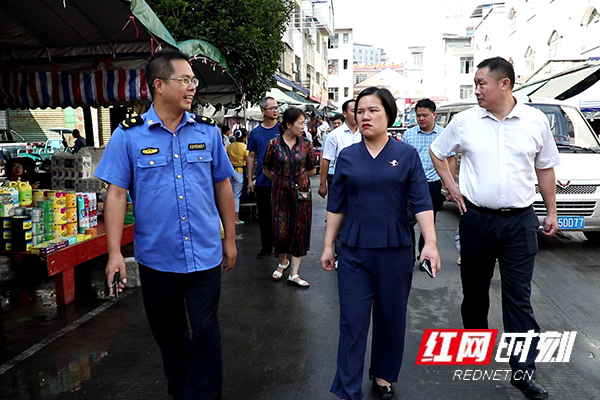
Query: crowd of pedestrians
[(377, 189)]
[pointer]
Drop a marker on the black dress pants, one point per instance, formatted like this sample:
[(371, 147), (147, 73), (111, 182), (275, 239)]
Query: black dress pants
[(192, 365), (263, 204), (511, 238)]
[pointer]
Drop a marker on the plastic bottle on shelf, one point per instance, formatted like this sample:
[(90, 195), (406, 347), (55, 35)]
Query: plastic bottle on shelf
[(25, 194)]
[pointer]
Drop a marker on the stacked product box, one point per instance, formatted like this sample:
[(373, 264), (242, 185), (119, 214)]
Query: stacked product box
[(38, 228), (74, 172), (87, 211), (72, 216), (47, 207), (59, 205)]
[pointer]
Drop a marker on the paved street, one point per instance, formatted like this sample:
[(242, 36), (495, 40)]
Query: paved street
[(280, 342)]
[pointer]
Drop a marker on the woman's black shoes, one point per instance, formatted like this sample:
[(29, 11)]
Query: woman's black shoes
[(385, 392)]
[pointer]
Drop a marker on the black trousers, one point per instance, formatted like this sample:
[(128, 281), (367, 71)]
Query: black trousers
[(263, 204), (510, 238), (192, 365), (435, 192)]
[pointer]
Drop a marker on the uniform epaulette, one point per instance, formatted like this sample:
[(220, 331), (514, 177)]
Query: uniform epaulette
[(133, 121), (205, 120)]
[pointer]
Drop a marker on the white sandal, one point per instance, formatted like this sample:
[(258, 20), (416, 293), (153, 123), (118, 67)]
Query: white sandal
[(300, 283), (277, 274)]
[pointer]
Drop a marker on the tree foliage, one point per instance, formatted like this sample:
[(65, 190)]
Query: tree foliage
[(248, 32)]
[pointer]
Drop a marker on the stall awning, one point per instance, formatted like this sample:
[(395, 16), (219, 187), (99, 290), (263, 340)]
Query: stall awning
[(565, 85), (61, 89), (292, 84), (282, 98), (217, 84), (76, 53), (301, 99)]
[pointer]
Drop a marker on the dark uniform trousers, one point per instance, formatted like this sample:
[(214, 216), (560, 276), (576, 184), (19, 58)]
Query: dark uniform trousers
[(511, 238), (193, 364), (435, 191), (378, 279), (263, 204)]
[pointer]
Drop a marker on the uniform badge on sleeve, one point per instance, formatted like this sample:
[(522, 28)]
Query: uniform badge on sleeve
[(149, 151), (197, 146)]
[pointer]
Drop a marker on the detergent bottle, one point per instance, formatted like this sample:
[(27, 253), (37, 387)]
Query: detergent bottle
[(24, 194), (13, 189)]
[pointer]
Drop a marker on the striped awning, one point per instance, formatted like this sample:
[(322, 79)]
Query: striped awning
[(61, 89)]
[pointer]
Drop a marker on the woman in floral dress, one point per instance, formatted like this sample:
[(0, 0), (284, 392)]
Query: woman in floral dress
[(290, 160)]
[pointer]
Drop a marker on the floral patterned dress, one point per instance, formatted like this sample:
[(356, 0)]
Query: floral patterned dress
[(291, 218)]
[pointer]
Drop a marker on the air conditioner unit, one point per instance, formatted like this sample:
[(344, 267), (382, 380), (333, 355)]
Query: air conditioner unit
[(295, 68)]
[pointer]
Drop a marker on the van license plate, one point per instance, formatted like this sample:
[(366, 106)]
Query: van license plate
[(566, 223)]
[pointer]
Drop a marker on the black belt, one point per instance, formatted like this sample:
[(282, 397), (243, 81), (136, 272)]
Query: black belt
[(498, 211)]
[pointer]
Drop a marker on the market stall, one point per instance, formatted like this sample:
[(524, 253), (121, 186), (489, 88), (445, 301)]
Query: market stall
[(61, 54)]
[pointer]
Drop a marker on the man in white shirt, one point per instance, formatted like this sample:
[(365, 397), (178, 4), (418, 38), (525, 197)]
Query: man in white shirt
[(337, 140), (505, 144), (322, 129)]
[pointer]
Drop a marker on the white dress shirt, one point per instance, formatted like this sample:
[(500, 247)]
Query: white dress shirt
[(499, 158), (337, 140)]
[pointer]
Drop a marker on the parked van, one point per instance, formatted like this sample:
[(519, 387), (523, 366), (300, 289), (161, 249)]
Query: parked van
[(578, 175)]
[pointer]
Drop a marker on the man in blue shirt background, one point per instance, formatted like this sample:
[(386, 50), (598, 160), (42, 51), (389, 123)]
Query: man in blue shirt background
[(257, 147), (175, 167), (420, 137)]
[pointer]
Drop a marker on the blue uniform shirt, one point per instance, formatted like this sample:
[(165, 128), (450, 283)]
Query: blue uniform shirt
[(171, 179), (258, 142)]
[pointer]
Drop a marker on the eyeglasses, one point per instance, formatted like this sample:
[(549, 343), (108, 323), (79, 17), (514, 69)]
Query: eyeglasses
[(185, 81), (276, 108), (17, 167)]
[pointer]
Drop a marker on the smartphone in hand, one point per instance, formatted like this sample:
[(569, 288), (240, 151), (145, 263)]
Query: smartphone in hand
[(116, 281), (426, 266)]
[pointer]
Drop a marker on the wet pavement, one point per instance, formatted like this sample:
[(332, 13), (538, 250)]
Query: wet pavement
[(280, 342)]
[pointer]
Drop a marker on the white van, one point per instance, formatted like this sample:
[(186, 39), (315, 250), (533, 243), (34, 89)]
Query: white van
[(578, 175)]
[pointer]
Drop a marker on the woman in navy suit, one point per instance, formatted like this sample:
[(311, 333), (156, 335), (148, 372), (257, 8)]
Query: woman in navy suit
[(374, 182)]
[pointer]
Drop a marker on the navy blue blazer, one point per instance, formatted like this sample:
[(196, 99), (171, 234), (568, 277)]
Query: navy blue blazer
[(374, 193)]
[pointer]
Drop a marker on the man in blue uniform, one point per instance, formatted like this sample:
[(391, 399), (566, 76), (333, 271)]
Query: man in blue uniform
[(175, 167), (257, 147)]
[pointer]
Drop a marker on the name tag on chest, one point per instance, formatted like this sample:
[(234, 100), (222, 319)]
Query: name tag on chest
[(197, 146)]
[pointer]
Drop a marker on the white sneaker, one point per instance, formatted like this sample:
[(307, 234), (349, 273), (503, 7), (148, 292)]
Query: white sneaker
[(458, 261)]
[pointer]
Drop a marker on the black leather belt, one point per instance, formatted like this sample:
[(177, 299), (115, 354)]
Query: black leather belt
[(498, 211)]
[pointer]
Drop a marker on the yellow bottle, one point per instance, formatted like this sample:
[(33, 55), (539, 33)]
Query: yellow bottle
[(24, 194)]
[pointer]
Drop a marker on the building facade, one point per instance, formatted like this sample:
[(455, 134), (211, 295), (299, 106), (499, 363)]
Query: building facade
[(304, 64), (340, 66), (369, 55), (531, 33), (458, 67)]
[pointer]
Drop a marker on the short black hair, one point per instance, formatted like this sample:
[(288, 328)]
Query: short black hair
[(499, 68), (12, 161), (224, 129), (159, 65), (387, 100), (338, 116), (346, 105), (290, 115), (426, 103)]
